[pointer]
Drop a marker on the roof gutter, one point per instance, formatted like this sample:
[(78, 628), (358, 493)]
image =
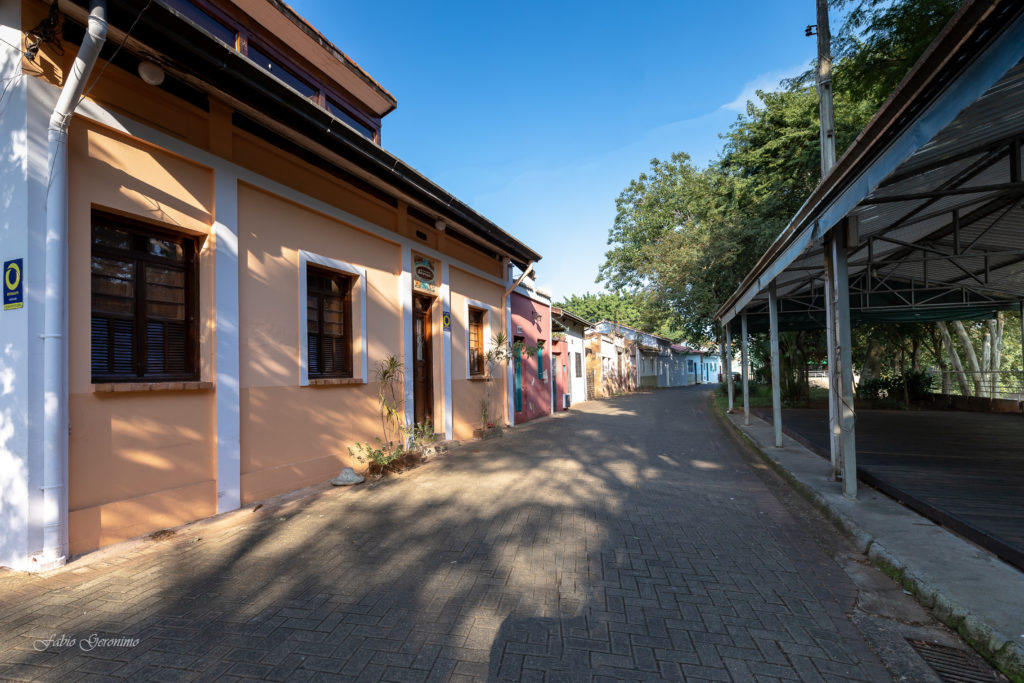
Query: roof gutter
[(54, 539)]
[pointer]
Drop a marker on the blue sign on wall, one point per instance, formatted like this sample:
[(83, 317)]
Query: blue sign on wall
[(14, 284), (446, 320)]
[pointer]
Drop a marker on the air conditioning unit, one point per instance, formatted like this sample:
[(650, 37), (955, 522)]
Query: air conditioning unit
[(566, 402)]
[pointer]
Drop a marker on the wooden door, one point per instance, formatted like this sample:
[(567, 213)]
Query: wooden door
[(422, 368)]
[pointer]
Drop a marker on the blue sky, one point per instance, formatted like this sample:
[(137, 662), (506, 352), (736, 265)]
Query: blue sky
[(538, 114)]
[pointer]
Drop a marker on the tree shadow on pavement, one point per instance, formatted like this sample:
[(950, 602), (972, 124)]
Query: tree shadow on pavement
[(626, 538)]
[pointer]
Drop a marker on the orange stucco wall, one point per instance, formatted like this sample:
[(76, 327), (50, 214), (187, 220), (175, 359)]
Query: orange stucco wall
[(467, 394), (138, 461), (293, 436)]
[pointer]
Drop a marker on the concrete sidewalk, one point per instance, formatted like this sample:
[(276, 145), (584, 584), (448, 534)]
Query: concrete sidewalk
[(969, 589)]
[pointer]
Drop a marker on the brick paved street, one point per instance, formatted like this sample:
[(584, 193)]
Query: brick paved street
[(629, 539)]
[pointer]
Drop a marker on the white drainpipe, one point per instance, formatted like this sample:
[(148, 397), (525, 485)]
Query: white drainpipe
[(55, 322)]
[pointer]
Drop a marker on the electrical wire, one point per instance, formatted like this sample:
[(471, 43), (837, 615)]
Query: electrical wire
[(9, 82), (49, 173), (121, 45)]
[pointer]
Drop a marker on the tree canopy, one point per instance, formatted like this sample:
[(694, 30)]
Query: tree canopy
[(684, 237), (633, 310)]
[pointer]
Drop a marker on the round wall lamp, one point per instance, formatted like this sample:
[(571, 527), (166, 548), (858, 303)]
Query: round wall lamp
[(151, 72)]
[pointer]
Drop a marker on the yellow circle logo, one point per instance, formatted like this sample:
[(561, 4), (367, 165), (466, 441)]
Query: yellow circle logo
[(12, 278)]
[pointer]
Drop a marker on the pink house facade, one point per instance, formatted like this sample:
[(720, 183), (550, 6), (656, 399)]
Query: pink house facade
[(530, 394)]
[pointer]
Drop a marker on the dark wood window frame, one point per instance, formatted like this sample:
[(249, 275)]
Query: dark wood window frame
[(579, 364), (320, 299), (475, 333), (128, 359)]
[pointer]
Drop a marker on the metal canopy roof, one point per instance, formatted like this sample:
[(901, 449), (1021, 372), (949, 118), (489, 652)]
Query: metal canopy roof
[(931, 190)]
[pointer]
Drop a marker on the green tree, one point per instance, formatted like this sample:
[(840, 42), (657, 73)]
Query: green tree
[(603, 306), (685, 237)]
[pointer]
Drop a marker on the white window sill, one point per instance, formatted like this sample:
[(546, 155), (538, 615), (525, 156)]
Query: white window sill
[(118, 387), (335, 381)]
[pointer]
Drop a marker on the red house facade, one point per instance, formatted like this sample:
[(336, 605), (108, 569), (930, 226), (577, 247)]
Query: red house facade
[(530, 388)]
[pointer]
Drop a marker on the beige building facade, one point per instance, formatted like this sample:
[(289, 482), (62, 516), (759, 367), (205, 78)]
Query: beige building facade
[(232, 279)]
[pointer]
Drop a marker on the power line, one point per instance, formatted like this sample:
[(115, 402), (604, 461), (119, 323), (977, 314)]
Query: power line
[(118, 50)]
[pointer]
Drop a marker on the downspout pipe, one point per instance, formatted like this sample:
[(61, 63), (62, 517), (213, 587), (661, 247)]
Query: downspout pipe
[(55, 316)]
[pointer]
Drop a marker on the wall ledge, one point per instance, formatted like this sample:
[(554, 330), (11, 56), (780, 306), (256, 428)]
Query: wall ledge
[(116, 387), (335, 381)]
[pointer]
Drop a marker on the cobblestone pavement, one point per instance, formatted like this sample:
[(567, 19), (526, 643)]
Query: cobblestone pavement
[(628, 539)]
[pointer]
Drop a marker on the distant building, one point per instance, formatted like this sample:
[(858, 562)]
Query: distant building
[(530, 368), (573, 329)]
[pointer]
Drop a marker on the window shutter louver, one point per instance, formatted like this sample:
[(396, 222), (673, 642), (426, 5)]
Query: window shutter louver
[(143, 323)]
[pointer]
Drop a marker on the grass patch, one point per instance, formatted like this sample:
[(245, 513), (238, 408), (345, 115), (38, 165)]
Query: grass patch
[(761, 396)]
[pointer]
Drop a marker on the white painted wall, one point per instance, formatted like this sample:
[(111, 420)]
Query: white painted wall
[(23, 171), (577, 385)]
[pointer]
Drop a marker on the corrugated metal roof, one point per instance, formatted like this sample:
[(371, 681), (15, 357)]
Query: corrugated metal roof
[(951, 161), (906, 210)]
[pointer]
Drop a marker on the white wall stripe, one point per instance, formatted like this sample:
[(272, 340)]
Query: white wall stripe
[(446, 305), (509, 369), (405, 296), (229, 426)]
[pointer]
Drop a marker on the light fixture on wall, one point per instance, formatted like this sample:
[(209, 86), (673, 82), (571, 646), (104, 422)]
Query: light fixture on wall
[(439, 224), (151, 72)]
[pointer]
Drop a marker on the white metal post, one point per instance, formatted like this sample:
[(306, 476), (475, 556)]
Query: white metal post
[(728, 365), (833, 364), (773, 331), (842, 319), (746, 371)]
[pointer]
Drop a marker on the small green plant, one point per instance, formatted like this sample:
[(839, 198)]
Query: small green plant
[(422, 433), (887, 391), (383, 452), (500, 353)]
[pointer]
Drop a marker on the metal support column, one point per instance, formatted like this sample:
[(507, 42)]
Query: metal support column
[(842, 319), (744, 357), (831, 343), (773, 331), (728, 365)]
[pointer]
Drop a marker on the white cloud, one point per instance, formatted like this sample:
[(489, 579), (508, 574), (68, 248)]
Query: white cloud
[(765, 81)]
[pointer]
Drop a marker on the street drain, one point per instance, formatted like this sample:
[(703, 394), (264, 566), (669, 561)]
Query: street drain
[(953, 665)]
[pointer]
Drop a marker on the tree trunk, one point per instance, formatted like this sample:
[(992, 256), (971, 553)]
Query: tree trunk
[(936, 338), (972, 358), (915, 356), (996, 326), (954, 359), (903, 371), (986, 359), (872, 368)]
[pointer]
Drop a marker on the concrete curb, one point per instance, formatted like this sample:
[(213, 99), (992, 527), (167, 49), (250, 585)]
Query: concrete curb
[(1003, 649)]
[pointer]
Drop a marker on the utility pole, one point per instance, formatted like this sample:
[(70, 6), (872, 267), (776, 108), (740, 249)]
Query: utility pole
[(828, 160), (828, 132)]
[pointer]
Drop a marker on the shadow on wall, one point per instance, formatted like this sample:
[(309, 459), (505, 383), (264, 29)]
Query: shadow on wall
[(614, 383), (13, 390)]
